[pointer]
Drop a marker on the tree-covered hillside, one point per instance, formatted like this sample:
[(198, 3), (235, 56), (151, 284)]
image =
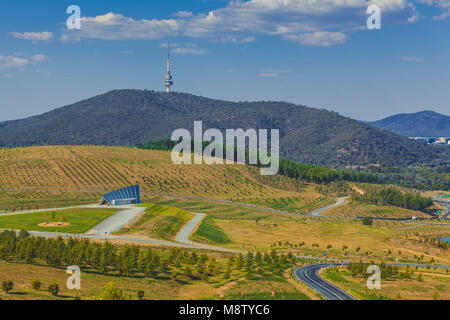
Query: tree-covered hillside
[(126, 117)]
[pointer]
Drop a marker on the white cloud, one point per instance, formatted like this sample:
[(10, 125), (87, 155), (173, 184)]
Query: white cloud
[(186, 48), (38, 57), (244, 40), (12, 62), (112, 26), (443, 16), (188, 51), (312, 22), (444, 5), (412, 59), (320, 38), (21, 60), (33, 36), (183, 14), (268, 75)]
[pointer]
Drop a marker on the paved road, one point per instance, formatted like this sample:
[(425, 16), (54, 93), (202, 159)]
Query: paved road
[(286, 212), (188, 229), (117, 221), (184, 234), (411, 227), (318, 212), (446, 214), (239, 204), (309, 276), (127, 239)]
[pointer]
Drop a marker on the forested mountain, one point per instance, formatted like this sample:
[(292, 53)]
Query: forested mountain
[(420, 124), (126, 117)]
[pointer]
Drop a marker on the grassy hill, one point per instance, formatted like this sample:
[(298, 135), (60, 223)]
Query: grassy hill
[(72, 174), (126, 117)]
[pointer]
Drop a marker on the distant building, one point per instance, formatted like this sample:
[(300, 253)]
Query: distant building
[(438, 141), (421, 139), (122, 197)]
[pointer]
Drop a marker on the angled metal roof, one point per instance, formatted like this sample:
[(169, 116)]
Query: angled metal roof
[(128, 193)]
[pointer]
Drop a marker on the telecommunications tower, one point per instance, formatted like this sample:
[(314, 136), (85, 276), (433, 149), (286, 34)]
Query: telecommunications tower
[(168, 78)]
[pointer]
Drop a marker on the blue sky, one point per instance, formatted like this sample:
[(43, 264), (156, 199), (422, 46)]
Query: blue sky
[(317, 53)]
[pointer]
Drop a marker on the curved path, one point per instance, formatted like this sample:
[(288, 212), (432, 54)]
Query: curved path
[(117, 221), (318, 212), (120, 219), (184, 234), (189, 228), (309, 276), (446, 213)]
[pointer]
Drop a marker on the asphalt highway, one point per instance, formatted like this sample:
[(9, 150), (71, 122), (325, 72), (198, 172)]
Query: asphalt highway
[(309, 276)]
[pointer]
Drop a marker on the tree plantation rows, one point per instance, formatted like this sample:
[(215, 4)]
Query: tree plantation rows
[(312, 173), (388, 272), (130, 260), (300, 171), (393, 196)]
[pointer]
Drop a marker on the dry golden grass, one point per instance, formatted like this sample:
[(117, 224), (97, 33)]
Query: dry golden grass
[(373, 242), (435, 193), (434, 284), (164, 288)]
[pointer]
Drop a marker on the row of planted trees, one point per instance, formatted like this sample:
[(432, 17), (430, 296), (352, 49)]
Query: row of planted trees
[(387, 271), (129, 260), (393, 196), (300, 171)]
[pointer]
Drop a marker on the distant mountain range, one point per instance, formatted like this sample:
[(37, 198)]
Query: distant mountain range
[(420, 124), (126, 117)]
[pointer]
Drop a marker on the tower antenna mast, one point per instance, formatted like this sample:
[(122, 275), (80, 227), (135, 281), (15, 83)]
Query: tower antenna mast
[(168, 78)]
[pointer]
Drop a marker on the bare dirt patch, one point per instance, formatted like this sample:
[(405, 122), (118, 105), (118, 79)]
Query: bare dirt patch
[(54, 224)]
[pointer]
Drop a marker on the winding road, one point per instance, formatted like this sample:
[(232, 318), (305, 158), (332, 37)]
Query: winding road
[(446, 204), (309, 276), (318, 212), (120, 219), (117, 221)]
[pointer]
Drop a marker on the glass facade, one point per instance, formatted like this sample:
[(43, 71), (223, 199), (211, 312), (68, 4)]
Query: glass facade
[(125, 196)]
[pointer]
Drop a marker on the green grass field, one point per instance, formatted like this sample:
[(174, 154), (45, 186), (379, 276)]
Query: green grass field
[(209, 232), (80, 220), (159, 221)]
